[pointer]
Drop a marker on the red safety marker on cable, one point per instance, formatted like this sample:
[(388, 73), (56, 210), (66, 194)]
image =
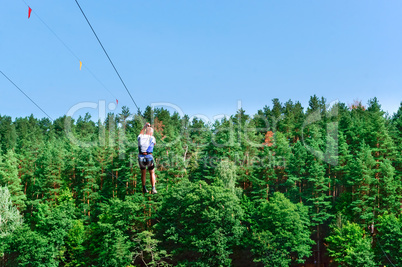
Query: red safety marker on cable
[(117, 101), (29, 11)]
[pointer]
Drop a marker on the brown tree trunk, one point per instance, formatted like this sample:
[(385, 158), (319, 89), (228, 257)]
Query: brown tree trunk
[(318, 246)]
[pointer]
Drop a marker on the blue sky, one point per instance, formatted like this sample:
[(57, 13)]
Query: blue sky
[(201, 55)]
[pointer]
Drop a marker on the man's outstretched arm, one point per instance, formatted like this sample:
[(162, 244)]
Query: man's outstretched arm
[(145, 127)]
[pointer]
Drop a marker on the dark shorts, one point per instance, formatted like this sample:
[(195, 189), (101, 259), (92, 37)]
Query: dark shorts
[(146, 161)]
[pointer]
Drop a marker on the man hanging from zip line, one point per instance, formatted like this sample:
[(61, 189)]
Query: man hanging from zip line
[(146, 143)]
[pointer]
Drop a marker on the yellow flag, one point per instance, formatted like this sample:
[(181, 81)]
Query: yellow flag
[(80, 65)]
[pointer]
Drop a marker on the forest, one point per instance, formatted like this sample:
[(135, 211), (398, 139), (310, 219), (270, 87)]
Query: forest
[(287, 186)]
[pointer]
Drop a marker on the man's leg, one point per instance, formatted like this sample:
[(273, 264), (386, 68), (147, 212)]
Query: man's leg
[(143, 176), (153, 181)]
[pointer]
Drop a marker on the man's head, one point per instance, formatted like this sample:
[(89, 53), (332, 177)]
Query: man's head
[(149, 130)]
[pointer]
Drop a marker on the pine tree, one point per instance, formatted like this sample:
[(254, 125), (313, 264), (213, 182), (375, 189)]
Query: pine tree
[(8, 135), (9, 177), (396, 132), (362, 185), (389, 189), (281, 156), (88, 191), (342, 175), (317, 186), (297, 173), (51, 166)]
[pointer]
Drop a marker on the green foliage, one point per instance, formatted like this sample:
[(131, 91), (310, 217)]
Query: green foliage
[(34, 248), (10, 218), (44, 245), (389, 239), (115, 249), (227, 175), (200, 223), (363, 191), (119, 223), (9, 177), (349, 245), (75, 250), (8, 134), (280, 232), (147, 250), (77, 185)]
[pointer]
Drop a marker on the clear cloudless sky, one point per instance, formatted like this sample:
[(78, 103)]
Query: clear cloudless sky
[(200, 55)]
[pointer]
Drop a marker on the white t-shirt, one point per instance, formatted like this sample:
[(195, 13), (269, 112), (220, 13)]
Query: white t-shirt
[(146, 143)]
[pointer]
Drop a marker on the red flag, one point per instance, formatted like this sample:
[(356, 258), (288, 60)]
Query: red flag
[(117, 101), (29, 11)]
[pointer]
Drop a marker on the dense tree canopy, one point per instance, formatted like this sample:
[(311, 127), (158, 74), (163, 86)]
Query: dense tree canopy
[(286, 186)]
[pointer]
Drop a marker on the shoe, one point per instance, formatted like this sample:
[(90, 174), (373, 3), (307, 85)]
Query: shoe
[(153, 191), (144, 190)]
